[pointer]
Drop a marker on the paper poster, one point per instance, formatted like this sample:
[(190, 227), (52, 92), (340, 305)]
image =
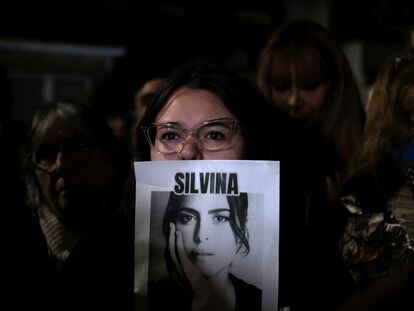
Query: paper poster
[(207, 235)]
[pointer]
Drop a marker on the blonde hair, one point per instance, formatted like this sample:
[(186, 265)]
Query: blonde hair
[(388, 123)]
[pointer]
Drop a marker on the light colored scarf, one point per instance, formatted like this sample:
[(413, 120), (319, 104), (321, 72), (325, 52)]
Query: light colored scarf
[(60, 239)]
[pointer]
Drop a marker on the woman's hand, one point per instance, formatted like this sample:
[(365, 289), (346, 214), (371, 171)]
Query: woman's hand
[(204, 296)]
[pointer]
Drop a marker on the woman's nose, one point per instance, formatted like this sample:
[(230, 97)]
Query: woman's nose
[(189, 150), (294, 99), (60, 160), (202, 233)]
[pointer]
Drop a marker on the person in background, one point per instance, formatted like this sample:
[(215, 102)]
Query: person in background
[(75, 176), (304, 73), (22, 257), (378, 240), (142, 100), (144, 96)]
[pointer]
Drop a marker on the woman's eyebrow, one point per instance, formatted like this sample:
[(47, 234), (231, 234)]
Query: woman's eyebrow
[(188, 210), (169, 123), (218, 210)]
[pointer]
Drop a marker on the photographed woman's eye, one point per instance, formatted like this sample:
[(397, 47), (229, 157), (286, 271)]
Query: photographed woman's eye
[(184, 218), (220, 218)]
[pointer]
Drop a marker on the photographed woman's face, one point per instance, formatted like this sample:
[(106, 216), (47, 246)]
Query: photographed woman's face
[(209, 241), (188, 108), (299, 95)]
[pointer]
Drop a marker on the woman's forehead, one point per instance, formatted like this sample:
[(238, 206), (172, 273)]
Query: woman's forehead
[(189, 107), (54, 130), (301, 66), (204, 202)]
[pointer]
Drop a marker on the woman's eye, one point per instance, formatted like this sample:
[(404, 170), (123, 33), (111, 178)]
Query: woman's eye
[(220, 219), (215, 135), (185, 218), (167, 136), (281, 87), (310, 85), (76, 145)]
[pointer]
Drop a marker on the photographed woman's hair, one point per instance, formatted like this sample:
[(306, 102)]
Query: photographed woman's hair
[(238, 205), (72, 114), (239, 96), (317, 58), (388, 122)]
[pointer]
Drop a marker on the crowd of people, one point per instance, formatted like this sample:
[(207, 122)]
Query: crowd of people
[(347, 181)]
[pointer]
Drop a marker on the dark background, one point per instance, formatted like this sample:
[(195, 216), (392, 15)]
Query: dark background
[(157, 35)]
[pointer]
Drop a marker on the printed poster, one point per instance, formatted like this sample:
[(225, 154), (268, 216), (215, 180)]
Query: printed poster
[(206, 235)]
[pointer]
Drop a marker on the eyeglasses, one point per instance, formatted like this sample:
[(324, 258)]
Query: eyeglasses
[(211, 135), (76, 148)]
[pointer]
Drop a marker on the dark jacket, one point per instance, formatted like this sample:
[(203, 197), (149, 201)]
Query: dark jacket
[(312, 274), (167, 294), (97, 275)]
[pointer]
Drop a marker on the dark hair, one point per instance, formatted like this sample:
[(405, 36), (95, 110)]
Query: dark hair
[(73, 114), (238, 206), (238, 95)]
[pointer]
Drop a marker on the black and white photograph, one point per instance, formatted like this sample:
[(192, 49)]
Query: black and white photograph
[(206, 236), (214, 236)]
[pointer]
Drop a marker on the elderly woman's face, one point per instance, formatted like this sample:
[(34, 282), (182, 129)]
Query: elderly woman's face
[(187, 109), (71, 170), (299, 95), (209, 241)]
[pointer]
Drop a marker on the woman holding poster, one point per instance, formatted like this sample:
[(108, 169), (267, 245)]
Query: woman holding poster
[(203, 112), (204, 233)]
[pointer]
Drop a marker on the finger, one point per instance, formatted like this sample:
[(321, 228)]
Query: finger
[(171, 245), (200, 287), (188, 268), (172, 248)]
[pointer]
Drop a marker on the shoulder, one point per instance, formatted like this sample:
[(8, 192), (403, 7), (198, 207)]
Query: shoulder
[(248, 296), (168, 294)]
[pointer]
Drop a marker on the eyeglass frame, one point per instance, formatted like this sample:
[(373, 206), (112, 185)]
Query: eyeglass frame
[(145, 128), (88, 141)]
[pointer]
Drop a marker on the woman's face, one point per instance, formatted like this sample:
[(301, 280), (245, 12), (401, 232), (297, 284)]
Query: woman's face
[(71, 179), (300, 97), (188, 108), (209, 241)]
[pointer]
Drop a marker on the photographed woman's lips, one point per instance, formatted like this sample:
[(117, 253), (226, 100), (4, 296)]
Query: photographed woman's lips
[(203, 253)]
